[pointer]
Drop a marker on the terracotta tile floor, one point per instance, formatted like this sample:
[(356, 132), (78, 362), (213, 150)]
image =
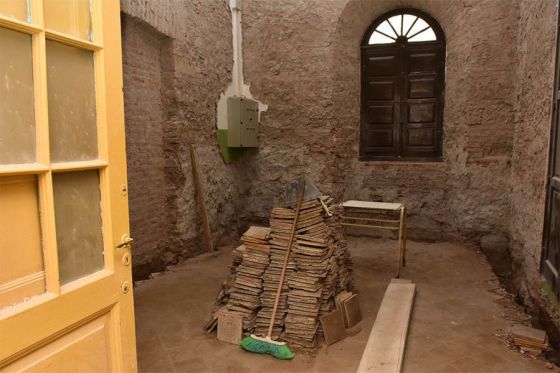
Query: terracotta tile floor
[(453, 323)]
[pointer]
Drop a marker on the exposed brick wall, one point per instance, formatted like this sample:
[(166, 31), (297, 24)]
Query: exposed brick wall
[(144, 137), (194, 63)]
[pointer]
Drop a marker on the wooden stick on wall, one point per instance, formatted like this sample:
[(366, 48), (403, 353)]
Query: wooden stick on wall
[(200, 199)]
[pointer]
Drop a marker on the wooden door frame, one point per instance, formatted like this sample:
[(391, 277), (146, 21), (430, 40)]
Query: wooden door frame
[(554, 132), (62, 309)]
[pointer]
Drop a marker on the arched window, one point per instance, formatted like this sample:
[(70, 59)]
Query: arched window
[(403, 67)]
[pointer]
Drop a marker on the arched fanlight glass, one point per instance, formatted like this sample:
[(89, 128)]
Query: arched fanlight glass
[(402, 26)]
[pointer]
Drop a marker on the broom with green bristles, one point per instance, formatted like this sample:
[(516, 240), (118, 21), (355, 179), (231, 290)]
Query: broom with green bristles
[(267, 345)]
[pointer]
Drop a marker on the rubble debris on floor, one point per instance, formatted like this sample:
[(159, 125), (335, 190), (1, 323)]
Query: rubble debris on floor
[(319, 268), (530, 340)]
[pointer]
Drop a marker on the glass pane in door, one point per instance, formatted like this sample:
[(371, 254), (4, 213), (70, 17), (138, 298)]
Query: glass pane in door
[(71, 17), (17, 111), (17, 9), (71, 94), (21, 254), (77, 206)]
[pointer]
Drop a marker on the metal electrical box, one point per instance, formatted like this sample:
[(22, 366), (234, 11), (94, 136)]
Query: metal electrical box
[(243, 122)]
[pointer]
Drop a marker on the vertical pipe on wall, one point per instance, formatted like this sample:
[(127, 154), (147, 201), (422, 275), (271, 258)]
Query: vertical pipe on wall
[(237, 76)]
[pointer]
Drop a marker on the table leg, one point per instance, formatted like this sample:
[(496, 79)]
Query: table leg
[(400, 245), (405, 227)]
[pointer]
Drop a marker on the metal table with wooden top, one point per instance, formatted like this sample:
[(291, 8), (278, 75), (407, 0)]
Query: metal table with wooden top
[(379, 215)]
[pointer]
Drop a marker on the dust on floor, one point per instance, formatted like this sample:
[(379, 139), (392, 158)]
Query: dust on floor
[(456, 318)]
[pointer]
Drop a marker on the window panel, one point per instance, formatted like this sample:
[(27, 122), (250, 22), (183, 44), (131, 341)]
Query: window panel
[(71, 94), (79, 237), (425, 62), (386, 29), (418, 26), (15, 9), (381, 89), (382, 65), (400, 27), (408, 21), (17, 112), (381, 114), (71, 17), (21, 255), (422, 88), (380, 138), (402, 88), (421, 112), (396, 22), (420, 137), (377, 38), (427, 35)]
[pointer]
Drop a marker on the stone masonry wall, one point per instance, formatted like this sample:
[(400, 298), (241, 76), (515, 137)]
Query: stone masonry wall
[(303, 59), (287, 55), (465, 196), (534, 74)]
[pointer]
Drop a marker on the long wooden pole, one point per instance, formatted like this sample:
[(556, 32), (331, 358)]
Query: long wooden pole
[(200, 198), (286, 257)]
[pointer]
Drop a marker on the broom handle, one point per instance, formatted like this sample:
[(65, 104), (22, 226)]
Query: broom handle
[(279, 291)]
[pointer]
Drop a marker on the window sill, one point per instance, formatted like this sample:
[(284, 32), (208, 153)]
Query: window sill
[(440, 163)]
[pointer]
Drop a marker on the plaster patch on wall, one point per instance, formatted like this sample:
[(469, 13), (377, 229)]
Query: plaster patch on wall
[(237, 87)]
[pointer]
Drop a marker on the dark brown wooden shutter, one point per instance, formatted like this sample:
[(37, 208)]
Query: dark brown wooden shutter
[(380, 102), (422, 101)]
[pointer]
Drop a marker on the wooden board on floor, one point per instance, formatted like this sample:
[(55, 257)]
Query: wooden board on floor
[(384, 350), (333, 326), (400, 281), (200, 198)]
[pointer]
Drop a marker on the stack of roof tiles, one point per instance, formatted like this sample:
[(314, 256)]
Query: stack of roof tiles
[(319, 268), (244, 296)]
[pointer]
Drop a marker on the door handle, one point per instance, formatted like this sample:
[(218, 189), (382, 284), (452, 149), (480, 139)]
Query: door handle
[(125, 241)]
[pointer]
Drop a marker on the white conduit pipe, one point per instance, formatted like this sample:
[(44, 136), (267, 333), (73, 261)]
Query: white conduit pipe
[(237, 75)]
